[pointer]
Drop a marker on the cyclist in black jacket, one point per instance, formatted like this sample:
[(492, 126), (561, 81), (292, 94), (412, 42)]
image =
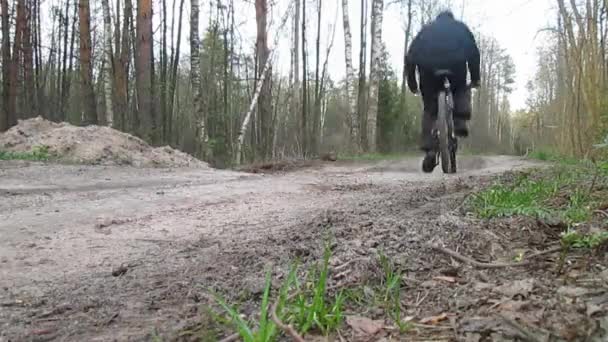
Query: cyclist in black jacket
[(445, 43)]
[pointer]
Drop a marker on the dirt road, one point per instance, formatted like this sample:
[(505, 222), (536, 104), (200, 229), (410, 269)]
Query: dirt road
[(66, 230)]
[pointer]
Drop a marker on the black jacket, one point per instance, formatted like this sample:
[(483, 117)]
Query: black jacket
[(443, 43)]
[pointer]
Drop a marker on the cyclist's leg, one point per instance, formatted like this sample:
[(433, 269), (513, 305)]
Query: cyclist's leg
[(462, 99), (428, 89)]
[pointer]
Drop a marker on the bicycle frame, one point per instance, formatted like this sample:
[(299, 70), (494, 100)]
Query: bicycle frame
[(447, 145)]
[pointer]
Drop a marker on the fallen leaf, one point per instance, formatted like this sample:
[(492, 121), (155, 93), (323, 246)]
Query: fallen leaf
[(593, 309), (434, 320), (570, 291), (429, 284), (513, 305), (445, 278), (479, 286), (365, 326)]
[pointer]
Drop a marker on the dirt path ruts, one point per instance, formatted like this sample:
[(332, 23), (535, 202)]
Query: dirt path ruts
[(65, 228)]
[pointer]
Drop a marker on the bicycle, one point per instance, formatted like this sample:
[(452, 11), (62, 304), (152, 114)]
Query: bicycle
[(446, 143)]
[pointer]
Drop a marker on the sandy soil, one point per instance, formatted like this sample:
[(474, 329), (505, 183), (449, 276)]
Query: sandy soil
[(67, 230), (91, 145)]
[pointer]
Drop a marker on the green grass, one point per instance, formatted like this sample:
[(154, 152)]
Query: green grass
[(265, 330), (38, 153), (574, 239), (548, 156), (311, 310), (564, 192), (390, 290)]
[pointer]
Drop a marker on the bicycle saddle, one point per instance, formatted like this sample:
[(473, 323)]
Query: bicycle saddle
[(443, 73)]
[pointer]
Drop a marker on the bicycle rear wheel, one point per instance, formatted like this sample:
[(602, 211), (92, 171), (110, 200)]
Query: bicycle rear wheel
[(443, 123)]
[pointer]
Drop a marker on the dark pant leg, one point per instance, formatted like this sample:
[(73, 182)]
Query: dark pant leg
[(461, 92), (429, 87)]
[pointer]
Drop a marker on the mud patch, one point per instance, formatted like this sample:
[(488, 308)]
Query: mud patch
[(95, 145)]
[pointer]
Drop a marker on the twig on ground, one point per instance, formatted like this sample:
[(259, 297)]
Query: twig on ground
[(338, 269), (478, 264), (431, 327), (289, 330), (524, 333), (602, 212), (553, 249), (421, 300)]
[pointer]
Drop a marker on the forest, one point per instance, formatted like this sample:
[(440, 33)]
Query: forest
[(147, 67)]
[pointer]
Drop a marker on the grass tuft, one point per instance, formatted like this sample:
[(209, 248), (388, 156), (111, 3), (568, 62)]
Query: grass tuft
[(38, 153), (391, 292), (568, 193), (311, 309), (574, 239), (266, 328)]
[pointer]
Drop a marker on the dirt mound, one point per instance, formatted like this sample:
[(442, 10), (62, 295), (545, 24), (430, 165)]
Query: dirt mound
[(91, 145)]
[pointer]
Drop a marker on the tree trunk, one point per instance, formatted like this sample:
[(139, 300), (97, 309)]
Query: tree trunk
[(264, 107), (408, 32), (304, 123), (314, 139), (5, 113), (121, 70), (163, 74), (68, 76), (143, 67), (350, 78), (63, 81), (16, 65), (89, 115), (372, 117), (107, 80), (295, 89), (361, 98), (175, 62), (195, 76), (28, 64), (254, 101)]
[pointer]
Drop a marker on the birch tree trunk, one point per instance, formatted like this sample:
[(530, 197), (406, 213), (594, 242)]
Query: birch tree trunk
[(107, 80), (304, 123), (314, 133), (254, 101), (350, 78), (361, 98), (16, 64), (195, 71), (372, 116), (264, 109), (408, 33)]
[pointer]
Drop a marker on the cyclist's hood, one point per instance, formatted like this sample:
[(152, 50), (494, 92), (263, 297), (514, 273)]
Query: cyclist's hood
[(445, 15)]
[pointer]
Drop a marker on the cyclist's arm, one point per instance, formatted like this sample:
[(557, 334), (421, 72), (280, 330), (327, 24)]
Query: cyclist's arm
[(473, 59), (411, 75), (410, 63)]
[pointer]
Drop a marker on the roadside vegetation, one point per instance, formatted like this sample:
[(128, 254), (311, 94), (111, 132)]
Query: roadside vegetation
[(571, 193), (37, 153)]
